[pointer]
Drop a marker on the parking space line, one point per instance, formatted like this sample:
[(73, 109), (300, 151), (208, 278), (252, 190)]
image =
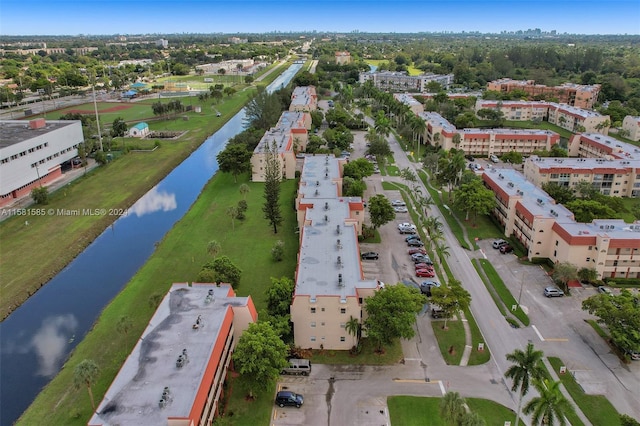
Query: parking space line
[(538, 333), (548, 339), (442, 389), (423, 381)]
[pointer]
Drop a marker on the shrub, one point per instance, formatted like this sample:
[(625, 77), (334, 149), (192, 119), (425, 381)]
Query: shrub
[(277, 251), (40, 195)]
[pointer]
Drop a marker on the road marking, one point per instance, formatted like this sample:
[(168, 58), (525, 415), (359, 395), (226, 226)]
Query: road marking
[(423, 381), (538, 333), (413, 359), (483, 253), (442, 389)]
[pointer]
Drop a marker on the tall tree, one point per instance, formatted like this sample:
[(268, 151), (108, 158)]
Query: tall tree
[(451, 299), (263, 111), (380, 210), (223, 270), (260, 355), (273, 175), (86, 374), (234, 159), (392, 312), (527, 366), (279, 296), (244, 190), (124, 324), (452, 407), (213, 248), (353, 328), (551, 406), (474, 197)]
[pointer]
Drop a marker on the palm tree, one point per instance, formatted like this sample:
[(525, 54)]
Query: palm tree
[(353, 328), (213, 248), (85, 374), (244, 190), (527, 366), (232, 212), (550, 406), (442, 249), (452, 407), (433, 225), (124, 324)]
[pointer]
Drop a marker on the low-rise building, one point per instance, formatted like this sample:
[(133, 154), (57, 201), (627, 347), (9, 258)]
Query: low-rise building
[(139, 130), (613, 177), (401, 81), (175, 373), (330, 284), (578, 95), (415, 106), (595, 145), (631, 124), (32, 154), (304, 98), (549, 230), (343, 58)]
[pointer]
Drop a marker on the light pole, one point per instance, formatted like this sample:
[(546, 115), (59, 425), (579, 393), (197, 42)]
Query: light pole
[(95, 107), (521, 285)]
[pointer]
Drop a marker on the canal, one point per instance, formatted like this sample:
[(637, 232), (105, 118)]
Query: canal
[(36, 338)]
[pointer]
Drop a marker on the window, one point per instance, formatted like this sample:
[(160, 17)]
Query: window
[(556, 243), (343, 339), (313, 310), (588, 259), (343, 310), (313, 324), (322, 323), (322, 309), (343, 325), (313, 338)]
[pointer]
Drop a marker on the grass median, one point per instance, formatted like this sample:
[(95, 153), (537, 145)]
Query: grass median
[(178, 258), (115, 186)]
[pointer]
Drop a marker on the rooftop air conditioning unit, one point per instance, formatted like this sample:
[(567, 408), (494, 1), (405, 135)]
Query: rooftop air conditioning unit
[(326, 206), (340, 283), (338, 229)]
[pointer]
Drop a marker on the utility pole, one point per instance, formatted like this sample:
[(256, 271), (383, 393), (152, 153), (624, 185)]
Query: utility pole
[(95, 107)]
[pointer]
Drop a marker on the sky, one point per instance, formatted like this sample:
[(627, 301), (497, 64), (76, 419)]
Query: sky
[(107, 17)]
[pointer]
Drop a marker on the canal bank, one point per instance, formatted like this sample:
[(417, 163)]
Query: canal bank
[(38, 337)]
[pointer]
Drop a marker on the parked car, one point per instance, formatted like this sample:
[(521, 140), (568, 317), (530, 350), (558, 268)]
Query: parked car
[(428, 273), (604, 290), (369, 255), (415, 243), (634, 355), (426, 286), (494, 159), (553, 292), (417, 250), (499, 243), (406, 225), (412, 237), (470, 158), (400, 210), (407, 231), (423, 266), (437, 312), (297, 366), (289, 398), (398, 203), (506, 249), (421, 258)]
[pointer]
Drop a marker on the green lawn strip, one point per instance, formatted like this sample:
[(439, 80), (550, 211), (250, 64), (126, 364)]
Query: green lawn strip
[(392, 170), (493, 294), (453, 336), (596, 408), (242, 411), (392, 355), (505, 295), (477, 357), (133, 175), (594, 324), (419, 411), (178, 258)]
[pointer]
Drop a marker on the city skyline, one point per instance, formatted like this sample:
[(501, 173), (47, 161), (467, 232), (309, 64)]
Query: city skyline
[(65, 17)]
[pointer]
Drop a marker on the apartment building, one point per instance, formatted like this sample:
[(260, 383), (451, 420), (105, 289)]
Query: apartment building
[(290, 136), (594, 145), (613, 177), (549, 230), (402, 82), (484, 142), (175, 373), (343, 58), (578, 95), (566, 116), (415, 106), (304, 98), (631, 124), (330, 284), (32, 154)]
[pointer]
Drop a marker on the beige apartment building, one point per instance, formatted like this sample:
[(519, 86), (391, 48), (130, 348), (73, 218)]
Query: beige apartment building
[(632, 125), (613, 177), (566, 116), (594, 145), (578, 95), (304, 99), (484, 142), (403, 82), (415, 106), (330, 284), (174, 375), (549, 230), (290, 136), (343, 58)]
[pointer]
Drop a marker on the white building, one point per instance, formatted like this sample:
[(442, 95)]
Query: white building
[(632, 125), (31, 154), (401, 81)]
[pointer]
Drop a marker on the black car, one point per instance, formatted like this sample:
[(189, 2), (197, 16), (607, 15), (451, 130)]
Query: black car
[(370, 255), (289, 398), (470, 158), (415, 243)]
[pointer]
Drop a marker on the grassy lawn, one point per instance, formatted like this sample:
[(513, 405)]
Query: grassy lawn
[(476, 357), (597, 408), (419, 411), (453, 336), (368, 356), (59, 402), (133, 174), (241, 411), (502, 291)]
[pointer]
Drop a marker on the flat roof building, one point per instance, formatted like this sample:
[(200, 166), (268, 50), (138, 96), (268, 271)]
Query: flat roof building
[(401, 81), (174, 374), (594, 145), (330, 285), (415, 106), (578, 95), (304, 98), (343, 58), (549, 230), (32, 152)]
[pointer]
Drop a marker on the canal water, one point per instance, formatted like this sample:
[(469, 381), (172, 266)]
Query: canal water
[(36, 338)]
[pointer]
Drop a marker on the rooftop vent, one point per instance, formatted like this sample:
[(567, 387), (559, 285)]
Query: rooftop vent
[(340, 282), (520, 192), (339, 261), (338, 229), (338, 244), (317, 192), (326, 206), (317, 183), (209, 297), (198, 322), (510, 184), (326, 175), (326, 218), (181, 361), (539, 201)]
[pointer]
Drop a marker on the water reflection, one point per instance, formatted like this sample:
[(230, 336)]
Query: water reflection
[(154, 201)]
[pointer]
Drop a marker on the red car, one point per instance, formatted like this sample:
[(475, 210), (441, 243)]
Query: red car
[(417, 250), (423, 266), (425, 273)]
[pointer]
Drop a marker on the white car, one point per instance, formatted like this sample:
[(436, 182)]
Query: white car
[(494, 159), (400, 210), (406, 225), (398, 203)]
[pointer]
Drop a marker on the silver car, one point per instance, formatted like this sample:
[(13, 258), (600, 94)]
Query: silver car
[(553, 292)]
